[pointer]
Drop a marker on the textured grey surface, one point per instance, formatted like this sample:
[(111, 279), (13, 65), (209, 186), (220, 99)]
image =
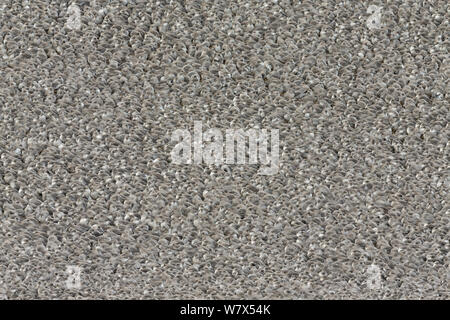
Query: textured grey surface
[(85, 175)]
